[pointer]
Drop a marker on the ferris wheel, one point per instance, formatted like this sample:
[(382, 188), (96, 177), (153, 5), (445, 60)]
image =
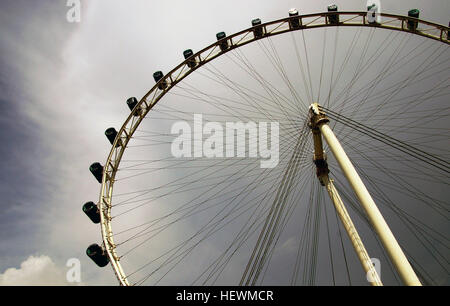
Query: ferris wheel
[(342, 162)]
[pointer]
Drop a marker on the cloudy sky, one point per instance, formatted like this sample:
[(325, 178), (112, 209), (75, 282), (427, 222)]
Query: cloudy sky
[(64, 83)]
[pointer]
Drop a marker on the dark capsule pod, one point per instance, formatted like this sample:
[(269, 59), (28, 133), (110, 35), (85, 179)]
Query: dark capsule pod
[(91, 210), (158, 75), (188, 55), (412, 24), (224, 43), (294, 22), (258, 30), (333, 18), (97, 254), (111, 134), (132, 102), (97, 170)]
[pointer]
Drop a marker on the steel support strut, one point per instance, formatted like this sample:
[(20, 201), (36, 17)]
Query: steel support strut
[(318, 124), (322, 174), (372, 275)]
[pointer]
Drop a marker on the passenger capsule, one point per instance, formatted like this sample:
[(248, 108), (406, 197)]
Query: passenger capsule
[(111, 134), (224, 42), (98, 255), (91, 210), (258, 30), (97, 170), (412, 24), (188, 55), (333, 18), (132, 102), (158, 75), (294, 23)]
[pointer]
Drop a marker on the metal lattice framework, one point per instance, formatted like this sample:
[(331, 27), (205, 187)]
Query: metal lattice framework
[(353, 19)]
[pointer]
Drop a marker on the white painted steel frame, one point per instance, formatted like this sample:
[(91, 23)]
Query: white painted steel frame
[(352, 233), (388, 240)]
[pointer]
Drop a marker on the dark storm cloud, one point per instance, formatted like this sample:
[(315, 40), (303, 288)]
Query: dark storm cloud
[(20, 181), (25, 181)]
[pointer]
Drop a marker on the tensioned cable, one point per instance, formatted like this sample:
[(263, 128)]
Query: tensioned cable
[(430, 159), (257, 258)]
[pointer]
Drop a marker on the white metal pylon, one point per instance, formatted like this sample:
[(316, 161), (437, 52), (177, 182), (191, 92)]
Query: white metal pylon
[(318, 123), (361, 251)]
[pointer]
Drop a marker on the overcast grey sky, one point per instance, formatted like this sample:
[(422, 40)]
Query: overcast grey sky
[(64, 83)]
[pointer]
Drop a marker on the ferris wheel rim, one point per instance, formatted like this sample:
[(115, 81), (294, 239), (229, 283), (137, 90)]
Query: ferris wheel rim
[(156, 93)]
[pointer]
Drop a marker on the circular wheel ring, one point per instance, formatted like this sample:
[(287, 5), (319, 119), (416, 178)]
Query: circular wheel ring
[(311, 21)]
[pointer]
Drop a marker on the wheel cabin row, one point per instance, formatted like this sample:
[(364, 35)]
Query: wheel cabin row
[(97, 253)]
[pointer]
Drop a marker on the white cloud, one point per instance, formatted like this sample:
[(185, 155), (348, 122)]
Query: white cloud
[(35, 271)]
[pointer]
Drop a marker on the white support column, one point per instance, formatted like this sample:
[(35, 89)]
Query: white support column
[(388, 240), (361, 251)]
